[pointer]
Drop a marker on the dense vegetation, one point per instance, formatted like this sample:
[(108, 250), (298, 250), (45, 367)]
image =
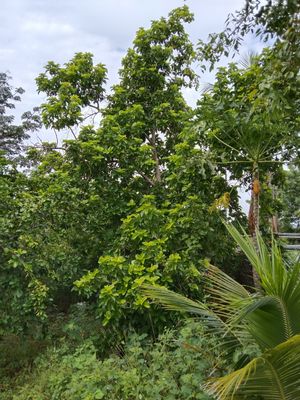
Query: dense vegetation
[(138, 198)]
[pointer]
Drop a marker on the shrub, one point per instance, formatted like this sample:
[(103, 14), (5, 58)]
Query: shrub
[(170, 369)]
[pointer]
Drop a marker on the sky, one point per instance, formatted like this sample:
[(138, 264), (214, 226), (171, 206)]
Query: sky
[(33, 32)]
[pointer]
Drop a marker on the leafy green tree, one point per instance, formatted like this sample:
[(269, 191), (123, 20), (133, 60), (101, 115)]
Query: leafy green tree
[(16, 302), (250, 126), (167, 228), (147, 107), (262, 327), (74, 91), (71, 209), (138, 193), (12, 136)]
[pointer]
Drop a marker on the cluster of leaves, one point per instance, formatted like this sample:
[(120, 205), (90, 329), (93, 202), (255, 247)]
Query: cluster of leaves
[(158, 245), (247, 120), (277, 19), (12, 135), (172, 368), (71, 90), (137, 200)]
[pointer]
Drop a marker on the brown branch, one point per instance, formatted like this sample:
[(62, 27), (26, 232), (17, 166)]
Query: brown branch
[(73, 133), (146, 178), (155, 158)]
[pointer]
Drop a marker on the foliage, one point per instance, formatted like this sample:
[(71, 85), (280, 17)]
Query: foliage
[(70, 90), (289, 198), (16, 302), (278, 19), (22, 293), (246, 121), (135, 158), (146, 110), (12, 135), (159, 243), (137, 198), (250, 124), (266, 320), (172, 368), (272, 375), (122, 193)]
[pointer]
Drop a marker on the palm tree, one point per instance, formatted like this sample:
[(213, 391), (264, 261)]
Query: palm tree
[(248, 126), (267, 319)]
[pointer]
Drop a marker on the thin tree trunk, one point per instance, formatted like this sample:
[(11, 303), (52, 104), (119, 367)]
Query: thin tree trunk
[(253, 217), (155, 158)]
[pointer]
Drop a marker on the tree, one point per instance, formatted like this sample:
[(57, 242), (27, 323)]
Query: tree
[(250, 127), (148, 107), (88, 209), (74, 91), (265, 324), (71, 211), (16, 302), (144, 145), (12, 136)]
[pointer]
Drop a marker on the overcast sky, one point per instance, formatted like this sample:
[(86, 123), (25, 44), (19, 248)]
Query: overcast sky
[(32, 32)]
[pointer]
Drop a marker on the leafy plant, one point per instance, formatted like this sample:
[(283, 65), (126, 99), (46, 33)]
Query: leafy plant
[(266, 320), (168, 369)]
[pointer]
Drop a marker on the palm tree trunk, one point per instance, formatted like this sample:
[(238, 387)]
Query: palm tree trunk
[(253, 217)]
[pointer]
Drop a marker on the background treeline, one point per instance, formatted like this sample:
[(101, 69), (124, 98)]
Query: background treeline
[(138, 196)]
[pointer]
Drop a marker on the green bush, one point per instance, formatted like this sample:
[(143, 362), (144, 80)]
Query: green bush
[(172, 368), (18, 353)]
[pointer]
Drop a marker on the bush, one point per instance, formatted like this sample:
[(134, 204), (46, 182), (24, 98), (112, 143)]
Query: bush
[(172, 368), (18, 353)]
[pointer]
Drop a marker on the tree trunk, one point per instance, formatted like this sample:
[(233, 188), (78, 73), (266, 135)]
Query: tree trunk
[(253, 217), (155, 158)]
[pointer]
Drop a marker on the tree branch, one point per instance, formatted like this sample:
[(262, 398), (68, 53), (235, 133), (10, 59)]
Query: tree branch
[(146, 178), (155, 158)]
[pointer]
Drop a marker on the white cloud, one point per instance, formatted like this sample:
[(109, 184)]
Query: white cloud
[(32, 32), (43, 26)]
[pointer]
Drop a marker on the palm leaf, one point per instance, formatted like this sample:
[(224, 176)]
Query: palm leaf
[(273, 316), (212, 314), (275, 375), (176, 302)]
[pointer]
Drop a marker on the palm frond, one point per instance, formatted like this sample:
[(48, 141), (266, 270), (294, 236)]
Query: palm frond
[(211, 314), (273, 316), (248, 59), (176, 302), (207, 88), (275, 375)]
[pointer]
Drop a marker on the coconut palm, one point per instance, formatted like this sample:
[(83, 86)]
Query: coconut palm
[(268, 319)]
